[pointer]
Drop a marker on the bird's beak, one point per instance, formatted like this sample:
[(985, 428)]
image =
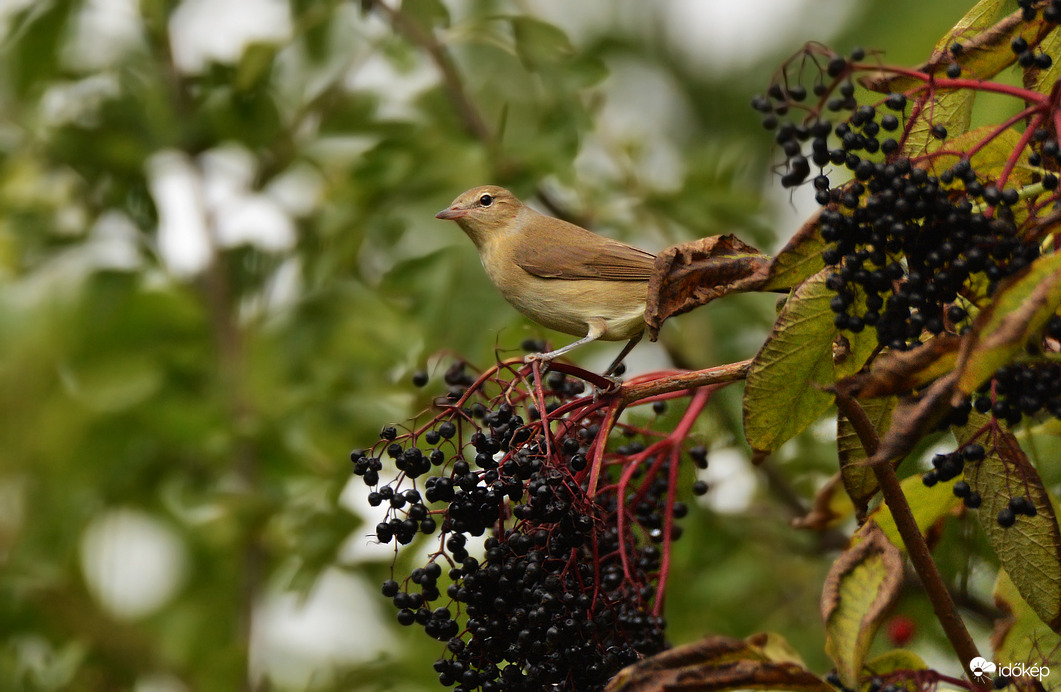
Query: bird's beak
[(452, 213)]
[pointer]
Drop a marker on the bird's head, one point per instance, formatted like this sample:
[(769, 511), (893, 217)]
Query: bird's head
[(483, 211)]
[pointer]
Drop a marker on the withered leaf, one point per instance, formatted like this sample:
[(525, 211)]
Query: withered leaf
[(860, 586), (695, 273), (718, 663), (828, 508), (913, 417), (898, 372)]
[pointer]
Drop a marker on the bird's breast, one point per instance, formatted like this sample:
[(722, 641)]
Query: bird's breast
[(569, 305)]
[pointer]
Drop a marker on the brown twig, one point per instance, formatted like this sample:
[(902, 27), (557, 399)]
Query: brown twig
[(731, 372), (916, 547), (470, 117)]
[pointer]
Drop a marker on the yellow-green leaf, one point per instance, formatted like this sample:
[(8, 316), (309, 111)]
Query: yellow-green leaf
[(784, 391), (1043, 80), (1030, 549), (928, 505), (860, 586), (896, 660), (990, 158), (1020, 636), (951, 109), (801, 257), (859, 480), (1019, 309)]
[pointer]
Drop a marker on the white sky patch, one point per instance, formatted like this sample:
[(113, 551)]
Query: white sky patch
[(287, 642), (727, 37), (205, 31), (361, 545), (183, 240), (114, 242), (397, 88), (133, 564), (242, 217), (731, 481), (104, 32), (209, 202)]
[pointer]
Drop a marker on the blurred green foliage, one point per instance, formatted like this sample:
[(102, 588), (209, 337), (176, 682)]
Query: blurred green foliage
[(218, 402)]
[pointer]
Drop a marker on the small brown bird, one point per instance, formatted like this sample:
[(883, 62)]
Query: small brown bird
[(556, 273)]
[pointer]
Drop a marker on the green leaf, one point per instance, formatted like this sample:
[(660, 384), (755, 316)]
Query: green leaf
[(859, 588), (928, 505), (894, 661), (1030, 549), (1020, 308), (784, 392), (34, 44), (984, 34), (254, 66), (985, 43), (1043, 80), (953, 109), (859, 480), (989, 159), (801, 257), (1019, 626), (539, 44), (426, 13)]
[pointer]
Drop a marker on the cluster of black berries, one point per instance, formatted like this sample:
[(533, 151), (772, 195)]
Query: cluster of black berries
[(947, 467), (904, 241), (1023, 389), (1007, 516), (875, 685), (1051, 13), (909, 243), (557, 598)]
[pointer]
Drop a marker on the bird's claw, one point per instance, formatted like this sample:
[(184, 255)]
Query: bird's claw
[(615, 384), (540, 358)]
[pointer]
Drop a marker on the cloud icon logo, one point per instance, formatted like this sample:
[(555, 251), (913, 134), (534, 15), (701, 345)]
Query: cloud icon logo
[(981, 667)]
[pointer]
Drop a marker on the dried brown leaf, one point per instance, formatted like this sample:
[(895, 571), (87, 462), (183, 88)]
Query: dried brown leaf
[(695, 273), (861, 584), (914, 417), (827, 509), (719, 663), (898, 372)]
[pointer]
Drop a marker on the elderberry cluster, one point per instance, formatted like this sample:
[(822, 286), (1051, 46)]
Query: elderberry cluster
[(1051, 13), (946, 467), (1025, 389), (915, 242), (904, 241), (556, 597)]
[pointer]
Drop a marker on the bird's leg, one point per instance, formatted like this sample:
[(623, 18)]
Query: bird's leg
[(596, 330), (622, 354)]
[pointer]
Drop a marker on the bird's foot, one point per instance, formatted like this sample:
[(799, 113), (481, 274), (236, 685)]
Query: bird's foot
[(614, 385), (543, 360)]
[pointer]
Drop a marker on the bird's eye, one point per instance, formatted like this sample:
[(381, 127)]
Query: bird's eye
[(486, 201)]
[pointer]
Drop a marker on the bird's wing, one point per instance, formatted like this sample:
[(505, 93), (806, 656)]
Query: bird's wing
[(565, 251)]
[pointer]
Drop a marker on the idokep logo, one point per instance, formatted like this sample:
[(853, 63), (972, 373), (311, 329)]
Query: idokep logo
[(983, 670)]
